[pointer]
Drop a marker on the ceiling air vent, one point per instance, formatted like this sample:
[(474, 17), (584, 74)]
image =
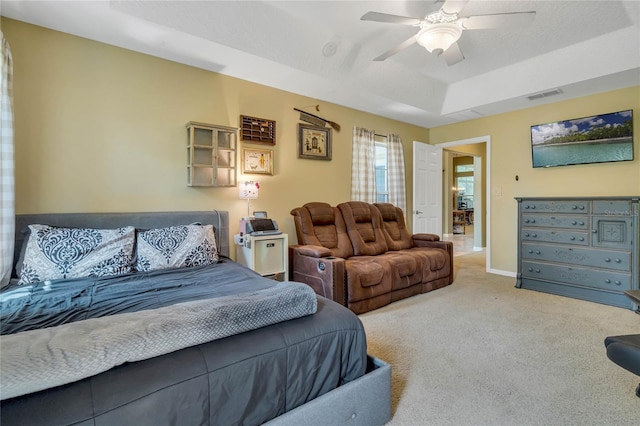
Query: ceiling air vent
[(544, 94)]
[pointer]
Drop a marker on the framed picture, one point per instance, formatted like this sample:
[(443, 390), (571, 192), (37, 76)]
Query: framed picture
[(257, 161), (314, 142), (602, 138)]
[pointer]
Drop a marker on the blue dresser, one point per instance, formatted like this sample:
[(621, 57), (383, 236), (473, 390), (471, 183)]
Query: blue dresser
[(586, 248)]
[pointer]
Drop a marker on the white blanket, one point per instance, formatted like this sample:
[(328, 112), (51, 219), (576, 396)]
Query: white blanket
[(34, 360)]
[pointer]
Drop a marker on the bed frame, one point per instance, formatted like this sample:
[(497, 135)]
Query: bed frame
[(365, 401)]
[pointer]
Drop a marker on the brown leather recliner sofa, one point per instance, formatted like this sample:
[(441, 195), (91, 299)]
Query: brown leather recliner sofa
[(361, 255)]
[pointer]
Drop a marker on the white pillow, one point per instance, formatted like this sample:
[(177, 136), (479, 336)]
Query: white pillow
[(176, 247), (56, 253)]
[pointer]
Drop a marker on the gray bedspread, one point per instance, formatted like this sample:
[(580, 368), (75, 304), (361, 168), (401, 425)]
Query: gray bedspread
[(47, 304), (43, 358), (246, 378)]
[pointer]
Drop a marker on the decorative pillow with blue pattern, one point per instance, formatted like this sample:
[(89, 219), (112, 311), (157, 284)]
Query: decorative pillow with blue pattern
[(54, 253), (180, 246)]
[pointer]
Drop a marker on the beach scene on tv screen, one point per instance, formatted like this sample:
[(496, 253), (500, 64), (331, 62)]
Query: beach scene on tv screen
[(596, 139)]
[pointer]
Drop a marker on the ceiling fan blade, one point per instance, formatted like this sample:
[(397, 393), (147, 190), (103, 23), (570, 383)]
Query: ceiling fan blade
[(453, 6), (499, 20), (408, 42), (453, 54), (390, 19)]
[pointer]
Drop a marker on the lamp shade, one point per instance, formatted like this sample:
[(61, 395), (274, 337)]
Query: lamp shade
[(437, 38), (248, 190)]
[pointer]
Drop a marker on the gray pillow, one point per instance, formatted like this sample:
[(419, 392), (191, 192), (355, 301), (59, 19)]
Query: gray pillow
[(56, 253), (176, 247)]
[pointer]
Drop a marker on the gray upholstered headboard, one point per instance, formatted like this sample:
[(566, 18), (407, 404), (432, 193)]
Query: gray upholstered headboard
[(146, 220)]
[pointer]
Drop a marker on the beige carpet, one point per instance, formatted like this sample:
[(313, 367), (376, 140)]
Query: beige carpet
[(481, 352)]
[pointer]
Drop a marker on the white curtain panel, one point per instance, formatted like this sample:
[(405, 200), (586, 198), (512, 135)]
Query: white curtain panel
[(363, 166), (397, 192), (7, 186)]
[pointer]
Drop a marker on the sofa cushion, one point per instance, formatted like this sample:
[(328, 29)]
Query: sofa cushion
[(438, 258), (320, 224), (367, 276), (395, 229), (364, 227), (321, 214), (407, 268)]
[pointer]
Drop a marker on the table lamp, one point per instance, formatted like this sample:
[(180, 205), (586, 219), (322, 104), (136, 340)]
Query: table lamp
[(248, 190)]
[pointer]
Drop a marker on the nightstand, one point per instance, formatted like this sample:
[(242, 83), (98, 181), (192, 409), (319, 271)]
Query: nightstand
[(265, 254)]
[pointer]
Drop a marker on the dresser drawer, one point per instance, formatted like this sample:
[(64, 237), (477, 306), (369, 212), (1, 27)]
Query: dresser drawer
[(612, 208), (555, 221), (581, 207), (609, 259), (551, 236), (605, 280)]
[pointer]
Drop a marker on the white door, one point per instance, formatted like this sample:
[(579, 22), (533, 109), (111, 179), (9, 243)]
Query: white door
[(427, 189)]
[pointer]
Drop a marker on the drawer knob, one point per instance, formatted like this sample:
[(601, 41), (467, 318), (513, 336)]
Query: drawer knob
[(533, 221), (526, 234), (538, 271), (618, 260), (581, 223), (526, 206), (572, 238), (595, 231), (530, 269), (581, 207), (618, 282), (574, 223), (534, 235), (608, 281), (574, 207), (537, 251), (526, 221), (581, 238), (533, 207), (607, 260), (530, 251)]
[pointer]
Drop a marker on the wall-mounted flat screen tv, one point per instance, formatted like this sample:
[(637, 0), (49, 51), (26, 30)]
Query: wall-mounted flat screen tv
[(597, 139)]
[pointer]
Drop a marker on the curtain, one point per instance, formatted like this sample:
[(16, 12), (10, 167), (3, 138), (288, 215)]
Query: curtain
[(363, 166), (397, 192), (7, 186)]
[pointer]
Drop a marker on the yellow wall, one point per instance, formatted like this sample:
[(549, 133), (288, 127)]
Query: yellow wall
[(511, 157), (102, 129)]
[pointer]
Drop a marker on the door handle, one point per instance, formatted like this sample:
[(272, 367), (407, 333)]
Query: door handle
[(419, 212)]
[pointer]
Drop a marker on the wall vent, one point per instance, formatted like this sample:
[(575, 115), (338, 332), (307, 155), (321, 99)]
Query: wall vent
[(544, 94)]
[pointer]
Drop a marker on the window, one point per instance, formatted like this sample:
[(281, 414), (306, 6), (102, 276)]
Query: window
[(382, 171), (460, 168), (377, 168)]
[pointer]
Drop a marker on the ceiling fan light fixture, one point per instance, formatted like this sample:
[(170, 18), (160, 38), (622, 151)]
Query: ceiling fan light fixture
[(437, 38)]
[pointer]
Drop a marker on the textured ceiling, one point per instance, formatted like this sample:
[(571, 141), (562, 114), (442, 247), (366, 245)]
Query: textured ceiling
[(581, 47)]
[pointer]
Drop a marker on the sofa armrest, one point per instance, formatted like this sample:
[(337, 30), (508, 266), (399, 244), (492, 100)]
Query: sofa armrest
[(325, 274), (425, 237), (313, 251)]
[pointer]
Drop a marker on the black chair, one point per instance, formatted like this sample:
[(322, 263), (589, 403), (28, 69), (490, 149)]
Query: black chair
[(625, 351)]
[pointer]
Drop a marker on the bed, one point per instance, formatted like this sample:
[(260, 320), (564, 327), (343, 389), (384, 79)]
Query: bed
[(231, 347)]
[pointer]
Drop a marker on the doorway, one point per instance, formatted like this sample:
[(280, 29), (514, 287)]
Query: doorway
[(463, 198), (480, 150)]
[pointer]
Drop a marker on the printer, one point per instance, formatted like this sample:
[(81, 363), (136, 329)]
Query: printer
[(258, 226)]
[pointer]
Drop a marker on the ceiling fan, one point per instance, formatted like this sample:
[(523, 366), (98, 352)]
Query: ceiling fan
[(440, 31)]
